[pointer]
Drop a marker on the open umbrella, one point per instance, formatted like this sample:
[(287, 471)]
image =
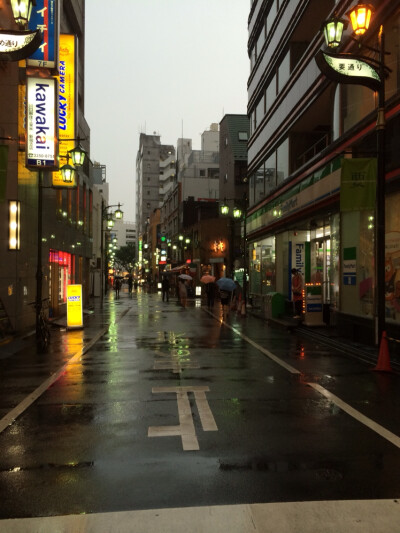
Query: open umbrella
[(207, 278), (226, 284), (184, 276)]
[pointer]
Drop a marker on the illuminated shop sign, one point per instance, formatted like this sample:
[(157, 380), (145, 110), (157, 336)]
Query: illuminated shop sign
[(66, 104), (74, 306), (41, 142), (44, 17)]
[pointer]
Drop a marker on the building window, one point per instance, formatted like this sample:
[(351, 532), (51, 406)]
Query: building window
[(282, 161), (243, 136), (284, 71)]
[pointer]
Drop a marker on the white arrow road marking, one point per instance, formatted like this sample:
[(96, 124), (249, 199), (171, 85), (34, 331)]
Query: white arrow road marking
[(186, 428)]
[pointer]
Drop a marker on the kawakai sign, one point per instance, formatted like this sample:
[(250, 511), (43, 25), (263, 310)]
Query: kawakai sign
[(41, 139)]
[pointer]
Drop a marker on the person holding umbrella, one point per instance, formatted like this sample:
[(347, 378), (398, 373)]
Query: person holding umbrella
[(210, 289), (182, 289), (226, 287)]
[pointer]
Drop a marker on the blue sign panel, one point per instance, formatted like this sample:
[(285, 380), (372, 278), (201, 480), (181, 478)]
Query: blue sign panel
[(44, 17), (349, 279)]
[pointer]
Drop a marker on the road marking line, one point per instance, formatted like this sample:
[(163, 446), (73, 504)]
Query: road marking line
[(12, 415), (186, 429), (374, 426), (266, 352), (377, 428)]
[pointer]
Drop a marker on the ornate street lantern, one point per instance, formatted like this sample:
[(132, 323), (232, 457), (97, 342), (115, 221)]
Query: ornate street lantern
[(118, 213), (68, 173), (237, 212), (22, 11), (77, 155), (333, 31), (224, 209), (360, 17)]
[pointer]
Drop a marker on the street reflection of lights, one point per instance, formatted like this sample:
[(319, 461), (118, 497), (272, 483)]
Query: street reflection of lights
[(15, 469)]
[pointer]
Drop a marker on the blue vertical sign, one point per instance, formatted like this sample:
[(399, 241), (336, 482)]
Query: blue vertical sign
[(45, 18)]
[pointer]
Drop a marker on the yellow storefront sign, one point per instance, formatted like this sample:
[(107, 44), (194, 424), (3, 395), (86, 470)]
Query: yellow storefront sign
[(67, 103), (74, 306)]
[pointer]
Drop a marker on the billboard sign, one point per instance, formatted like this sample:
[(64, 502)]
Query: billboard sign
[(66, 104), (44, 17), (41, 138)]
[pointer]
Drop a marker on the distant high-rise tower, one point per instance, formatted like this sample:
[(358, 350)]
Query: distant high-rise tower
[(150, 155)]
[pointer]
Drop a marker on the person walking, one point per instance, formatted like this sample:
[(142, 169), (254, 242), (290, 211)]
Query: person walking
[(117, 287), (182, 292), (130, 284), (210, 293), (165, 289), (297, 290)]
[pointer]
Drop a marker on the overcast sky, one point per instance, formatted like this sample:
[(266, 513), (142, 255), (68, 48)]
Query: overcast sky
[(164, 66)]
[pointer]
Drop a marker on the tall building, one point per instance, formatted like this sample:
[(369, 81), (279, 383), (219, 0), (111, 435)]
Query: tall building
[(65, 237), (149, 165), (302, 127)]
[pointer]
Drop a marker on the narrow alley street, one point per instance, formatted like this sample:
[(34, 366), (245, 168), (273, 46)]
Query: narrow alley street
[(154, 410)]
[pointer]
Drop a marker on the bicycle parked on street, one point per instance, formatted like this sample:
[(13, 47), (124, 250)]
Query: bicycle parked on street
[(42, 328)]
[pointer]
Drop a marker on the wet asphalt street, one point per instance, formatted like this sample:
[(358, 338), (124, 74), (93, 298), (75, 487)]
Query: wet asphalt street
[(152, 406)]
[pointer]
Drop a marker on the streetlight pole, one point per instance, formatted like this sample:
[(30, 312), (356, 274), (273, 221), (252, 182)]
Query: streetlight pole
[(371, 73), (380, 194), (39, 273), (118, 214)]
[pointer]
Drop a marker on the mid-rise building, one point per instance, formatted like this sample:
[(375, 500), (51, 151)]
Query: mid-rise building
[(302, 127), (59, 252)]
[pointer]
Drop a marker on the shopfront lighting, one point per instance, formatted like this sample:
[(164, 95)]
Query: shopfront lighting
[(22, 11), (360, 17), (14, 225)]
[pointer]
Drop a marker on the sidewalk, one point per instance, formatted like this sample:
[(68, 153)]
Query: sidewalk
[(330, 336)]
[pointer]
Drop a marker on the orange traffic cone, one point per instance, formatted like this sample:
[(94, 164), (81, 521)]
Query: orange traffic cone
[(383, 364)]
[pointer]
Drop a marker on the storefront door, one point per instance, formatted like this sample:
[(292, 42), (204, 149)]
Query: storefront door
[(321, 260)]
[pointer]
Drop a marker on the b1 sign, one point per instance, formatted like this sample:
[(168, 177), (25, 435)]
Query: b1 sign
[(41, 138)]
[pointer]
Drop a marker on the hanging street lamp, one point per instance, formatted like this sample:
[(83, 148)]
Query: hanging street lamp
[(360, 17), (22, 10), (333, 31)]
